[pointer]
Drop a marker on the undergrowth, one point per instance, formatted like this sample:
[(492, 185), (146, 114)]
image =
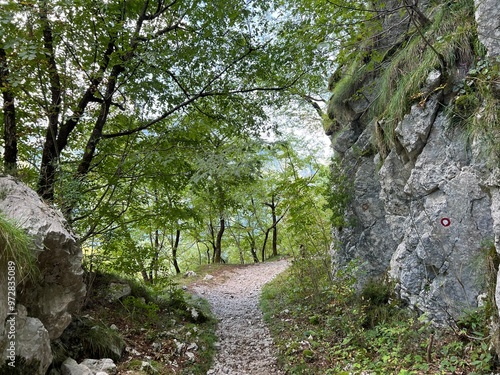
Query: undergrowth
[(329, 327), (477, 105), (162, 325)]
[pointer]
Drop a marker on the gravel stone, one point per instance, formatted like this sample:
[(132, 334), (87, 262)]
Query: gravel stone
[(245, 344)]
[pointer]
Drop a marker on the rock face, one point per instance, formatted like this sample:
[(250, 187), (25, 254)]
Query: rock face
[(488, 25), (425, 210), (44, 307)]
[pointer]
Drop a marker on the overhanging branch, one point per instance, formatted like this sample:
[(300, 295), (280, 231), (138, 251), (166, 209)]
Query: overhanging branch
[(194, 98)]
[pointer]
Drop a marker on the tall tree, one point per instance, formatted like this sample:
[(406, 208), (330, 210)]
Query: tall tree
[(154, 60)]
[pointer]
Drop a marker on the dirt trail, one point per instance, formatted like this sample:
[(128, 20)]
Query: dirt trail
[(245, 345)]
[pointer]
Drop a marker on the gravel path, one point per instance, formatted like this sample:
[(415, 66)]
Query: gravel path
[(245, 345)]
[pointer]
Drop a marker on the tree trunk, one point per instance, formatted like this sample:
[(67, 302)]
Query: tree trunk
[(145, 277), (275, 228), (174, 251), (212, 242), (218, 242), (50, 153), (237, 241), (253, 249), (9, 119), (263, 251), (95, 137)]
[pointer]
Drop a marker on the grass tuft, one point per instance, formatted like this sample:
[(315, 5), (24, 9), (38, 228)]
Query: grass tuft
[(17, 246), (399, 74)]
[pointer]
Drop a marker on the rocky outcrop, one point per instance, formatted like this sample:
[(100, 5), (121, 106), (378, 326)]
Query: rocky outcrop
[(488, 25), (45, 305), (425, 208)]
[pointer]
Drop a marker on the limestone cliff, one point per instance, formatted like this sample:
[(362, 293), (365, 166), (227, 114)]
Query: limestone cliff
[(416, 130)]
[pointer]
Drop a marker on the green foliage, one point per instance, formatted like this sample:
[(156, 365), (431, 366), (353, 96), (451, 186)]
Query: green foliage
[(92, 339), (159, 313), (346, 89), (343, 330), (339, 194), (407, 71), (139, 309), (17, 247), (99, 341), (476, 106)]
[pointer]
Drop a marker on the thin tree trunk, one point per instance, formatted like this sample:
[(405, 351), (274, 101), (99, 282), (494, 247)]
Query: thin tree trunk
[(218, 242), (9, 119), (145, 277), (174, 251), (263, 251), (275, 229), (237, 241), (95, 137), (212, 242), (253, 248)]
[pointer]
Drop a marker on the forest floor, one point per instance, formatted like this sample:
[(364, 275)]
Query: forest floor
[(245, 346)]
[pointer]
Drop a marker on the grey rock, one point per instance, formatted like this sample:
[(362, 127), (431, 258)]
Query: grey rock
[(413, 131), (61, 289), (397, 213), (439, 268), (117, 291), (71, 367), (495, 214), (440, 160), (31, 340), (432, 82), (105, 365), (488, 25), (147, 367), (434, 174), (369, 238)]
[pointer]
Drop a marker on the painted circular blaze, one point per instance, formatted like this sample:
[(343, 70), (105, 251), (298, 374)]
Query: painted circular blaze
[(445, 222)]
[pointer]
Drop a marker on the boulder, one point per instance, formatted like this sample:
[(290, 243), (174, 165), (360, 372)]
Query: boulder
[(105, 365), (31, 343), (58, 292), (117, 291), (71, 367)]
